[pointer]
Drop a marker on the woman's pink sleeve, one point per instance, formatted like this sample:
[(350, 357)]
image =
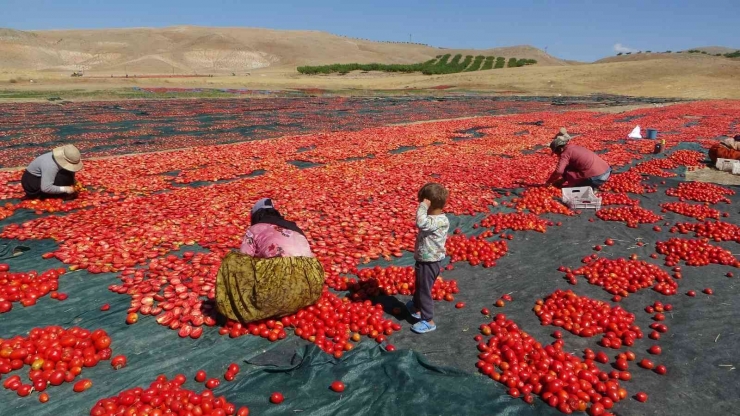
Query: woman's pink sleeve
[(248, 247)]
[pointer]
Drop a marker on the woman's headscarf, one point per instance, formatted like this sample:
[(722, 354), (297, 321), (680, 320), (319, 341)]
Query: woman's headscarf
[(263, 212), (561, 139), (732, 143)]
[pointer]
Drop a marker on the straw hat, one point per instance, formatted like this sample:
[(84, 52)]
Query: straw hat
[(68, 157)]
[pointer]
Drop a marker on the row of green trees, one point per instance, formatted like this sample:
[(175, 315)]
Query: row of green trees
[(488, 63), (477, 62), (442, 64)]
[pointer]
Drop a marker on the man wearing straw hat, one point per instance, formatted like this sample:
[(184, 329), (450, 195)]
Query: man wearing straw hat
[(52, 175), (577, 166)]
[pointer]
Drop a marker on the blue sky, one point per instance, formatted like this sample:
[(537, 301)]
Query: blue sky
[(581, 30)]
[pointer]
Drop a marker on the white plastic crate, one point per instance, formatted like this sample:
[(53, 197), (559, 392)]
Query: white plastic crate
[(728, 165), (582, 197)]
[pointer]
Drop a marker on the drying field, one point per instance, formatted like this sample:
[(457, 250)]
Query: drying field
[(126, 272), (115, 128)]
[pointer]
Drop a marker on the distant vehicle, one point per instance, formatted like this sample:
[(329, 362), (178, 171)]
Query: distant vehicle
[(77, 74)]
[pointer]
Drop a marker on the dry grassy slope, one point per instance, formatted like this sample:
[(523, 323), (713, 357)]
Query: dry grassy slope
[(679, 78), (683, 78), (657, 55), (188, 50)]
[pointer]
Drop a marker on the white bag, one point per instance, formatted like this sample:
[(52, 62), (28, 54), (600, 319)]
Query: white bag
[(635, 133)]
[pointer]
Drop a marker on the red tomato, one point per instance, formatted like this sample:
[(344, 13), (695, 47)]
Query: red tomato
[(82, 385), (200, 376), (102, 343), (233, 368), (276, 398), (118, 362), (337, 386)]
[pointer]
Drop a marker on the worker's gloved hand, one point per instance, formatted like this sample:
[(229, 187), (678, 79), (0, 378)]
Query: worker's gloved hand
[(68, 189)]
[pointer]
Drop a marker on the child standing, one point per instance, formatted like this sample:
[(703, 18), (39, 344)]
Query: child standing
[(428, 253)]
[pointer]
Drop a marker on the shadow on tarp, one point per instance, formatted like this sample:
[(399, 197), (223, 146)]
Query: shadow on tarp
[(377, 383)]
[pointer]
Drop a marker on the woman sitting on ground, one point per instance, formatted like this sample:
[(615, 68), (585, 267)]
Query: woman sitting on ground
[(274, 274), (728, 148), (52, 175), (577, 166), (271, 235)]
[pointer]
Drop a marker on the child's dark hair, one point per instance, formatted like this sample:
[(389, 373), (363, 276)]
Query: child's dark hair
[(435, 193)]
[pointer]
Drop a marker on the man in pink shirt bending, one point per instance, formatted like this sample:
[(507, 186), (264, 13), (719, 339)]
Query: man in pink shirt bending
[(577, 166)]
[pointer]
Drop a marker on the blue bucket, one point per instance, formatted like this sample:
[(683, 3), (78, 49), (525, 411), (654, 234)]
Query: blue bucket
[(652, 134)]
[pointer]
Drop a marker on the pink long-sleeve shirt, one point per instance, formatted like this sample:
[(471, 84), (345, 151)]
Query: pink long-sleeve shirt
[(268, 240), (580, 162)]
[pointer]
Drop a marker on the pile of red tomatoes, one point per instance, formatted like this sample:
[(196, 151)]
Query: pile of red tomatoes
[(587, 317), (714, 230), (695, 252), (515, 359), (515, 221), (622, 277), (701, 192), (629, 181), (172, 289), (165, 396), (611, 198), (395, 280), (26, 287), (475, 250), (632, 215), (55, 356), (700, 212), (541, 200), (333, 323), (687, 157)]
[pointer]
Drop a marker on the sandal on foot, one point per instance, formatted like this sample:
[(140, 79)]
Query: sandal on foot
[(411, 307), (422, 327)]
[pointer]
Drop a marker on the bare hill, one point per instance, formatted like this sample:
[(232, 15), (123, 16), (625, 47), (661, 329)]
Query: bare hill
[(711, 51), (206, 50), (639, 57), (698, 78)]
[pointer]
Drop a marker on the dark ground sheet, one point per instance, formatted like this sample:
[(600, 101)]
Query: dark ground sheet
[(695, 383), (379, 382), (150, 125), (701, 341)]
